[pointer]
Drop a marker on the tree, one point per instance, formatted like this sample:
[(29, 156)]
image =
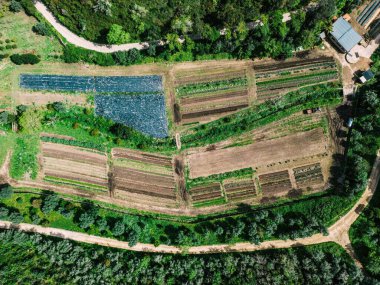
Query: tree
[(30, 120), (86, 219), (27, 58), (15, 6), (117, 35), (50, 203), (6, 192), (41, 29), (370, 100), (118, 228), (104, 7)]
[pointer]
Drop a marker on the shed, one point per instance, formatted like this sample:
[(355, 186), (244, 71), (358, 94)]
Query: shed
[(344, 36), (366, 75)]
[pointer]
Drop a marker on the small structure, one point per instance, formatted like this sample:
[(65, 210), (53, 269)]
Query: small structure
[(366, 75), (344, 36), (350, 122)]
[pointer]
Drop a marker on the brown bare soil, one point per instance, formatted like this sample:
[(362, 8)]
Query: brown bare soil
[(131, 179), (213, 111), (73, 163), (214, 97), (205, 193), (145, 157), (262, 153), (240, 190)]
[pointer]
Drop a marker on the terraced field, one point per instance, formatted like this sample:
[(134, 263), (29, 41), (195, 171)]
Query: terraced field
[(207, 194), (275, 183), (240, 190), (275, 78), (142, 177), (208, 93), (308, 175), (75, 166)]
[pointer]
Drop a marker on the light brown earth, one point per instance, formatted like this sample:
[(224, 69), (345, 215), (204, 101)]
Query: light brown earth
[(258, 154)]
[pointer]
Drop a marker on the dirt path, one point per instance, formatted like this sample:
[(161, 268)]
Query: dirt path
[(337, 233), (81, 42)]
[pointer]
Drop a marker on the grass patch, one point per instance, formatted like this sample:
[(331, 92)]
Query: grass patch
[(24, 157)]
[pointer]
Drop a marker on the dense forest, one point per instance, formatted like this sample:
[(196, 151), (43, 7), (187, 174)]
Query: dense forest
[(35, 259), (253, 29), (365, 233)]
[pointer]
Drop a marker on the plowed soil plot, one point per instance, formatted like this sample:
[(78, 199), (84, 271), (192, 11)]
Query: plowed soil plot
[(274, 78), (207, 93), (240, 190), (142, 177), (76, 166), (205, 193), (257, 154), (308, 175), (276, 183)]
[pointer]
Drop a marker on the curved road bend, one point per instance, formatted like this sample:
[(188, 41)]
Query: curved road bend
[(81, 42), (337, 233)]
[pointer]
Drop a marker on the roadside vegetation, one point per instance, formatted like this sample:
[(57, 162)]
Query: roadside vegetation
[(365, 233), (298, 218), (66, 262)]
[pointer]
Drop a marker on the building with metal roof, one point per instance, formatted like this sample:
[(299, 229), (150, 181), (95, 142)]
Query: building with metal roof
[(344, 36)]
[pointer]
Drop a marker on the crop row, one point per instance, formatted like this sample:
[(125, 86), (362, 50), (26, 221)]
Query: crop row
[(291, 78), (86, 144), (210, 86), (291, 64), (311, 67), (142, 157), (207, 77)]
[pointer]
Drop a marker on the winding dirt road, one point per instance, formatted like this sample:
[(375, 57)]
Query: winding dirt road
[(337, 233), (81, 42)]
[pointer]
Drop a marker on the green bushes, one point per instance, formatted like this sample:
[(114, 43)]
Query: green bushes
[(292, 220), (15, 6), (27, 58), (41, 29), (67, 262), (24, 157)]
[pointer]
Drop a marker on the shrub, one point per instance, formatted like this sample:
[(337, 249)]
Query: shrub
[(27, 58), (15, 6), (6, 192), (76, 125), (95, 132), (41, 29)]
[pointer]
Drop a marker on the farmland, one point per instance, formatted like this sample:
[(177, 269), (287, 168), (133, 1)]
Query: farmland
[(242, 189), (145, 113), (258, 154), (100, 84), (274, 78), (206, 93), (79, 167), (141, 177)]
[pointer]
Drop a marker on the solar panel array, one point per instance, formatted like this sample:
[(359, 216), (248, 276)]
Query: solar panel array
[(146, 113), (100, 84)]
